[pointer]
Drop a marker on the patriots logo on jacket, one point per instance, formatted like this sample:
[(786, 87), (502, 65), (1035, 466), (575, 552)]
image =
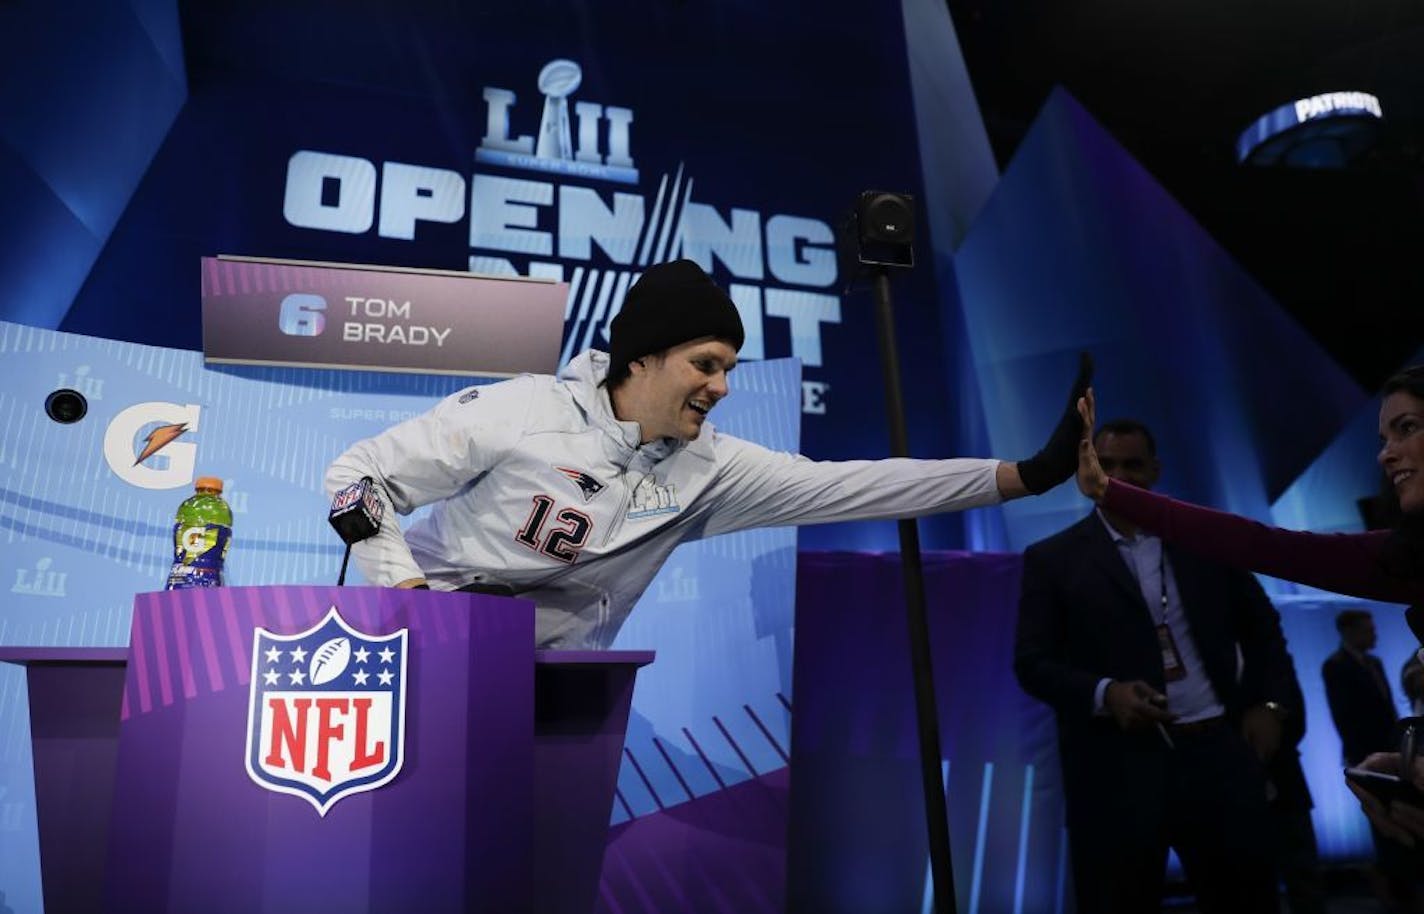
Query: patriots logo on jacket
[(586, 483)]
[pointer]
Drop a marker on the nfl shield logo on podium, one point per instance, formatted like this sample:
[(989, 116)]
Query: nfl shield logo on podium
[(326, 711)]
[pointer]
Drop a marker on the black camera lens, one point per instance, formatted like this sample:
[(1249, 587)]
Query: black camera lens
[(66, 406)]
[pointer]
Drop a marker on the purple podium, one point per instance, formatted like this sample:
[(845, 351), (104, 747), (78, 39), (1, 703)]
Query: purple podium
[(74, 732), (263, 762)]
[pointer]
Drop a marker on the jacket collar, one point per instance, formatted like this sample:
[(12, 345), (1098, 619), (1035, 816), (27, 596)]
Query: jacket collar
[(1103, 551), (583, 377)]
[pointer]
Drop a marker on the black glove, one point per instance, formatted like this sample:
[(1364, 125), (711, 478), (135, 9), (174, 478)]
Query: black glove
[(1058, 460)]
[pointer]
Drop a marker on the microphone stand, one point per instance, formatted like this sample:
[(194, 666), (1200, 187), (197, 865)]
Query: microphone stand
[(345, 560), (921, 662)]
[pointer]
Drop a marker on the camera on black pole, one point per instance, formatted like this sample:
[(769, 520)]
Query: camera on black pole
[(876, 237), (877, 234)]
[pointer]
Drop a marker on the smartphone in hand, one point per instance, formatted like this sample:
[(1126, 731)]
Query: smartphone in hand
[(1386, 786)]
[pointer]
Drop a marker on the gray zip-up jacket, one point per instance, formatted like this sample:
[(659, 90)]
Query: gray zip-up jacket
[(540, 492)]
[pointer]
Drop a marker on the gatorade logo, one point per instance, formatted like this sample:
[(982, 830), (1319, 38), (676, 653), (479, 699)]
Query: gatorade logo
[(197, 540), (142, 444)]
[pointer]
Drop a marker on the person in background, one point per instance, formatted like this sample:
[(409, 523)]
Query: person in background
[(1385, 565), (1163, 741), (1361, 702), (1362, 706)]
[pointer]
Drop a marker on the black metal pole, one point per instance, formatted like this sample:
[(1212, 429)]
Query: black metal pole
[(936, 816)]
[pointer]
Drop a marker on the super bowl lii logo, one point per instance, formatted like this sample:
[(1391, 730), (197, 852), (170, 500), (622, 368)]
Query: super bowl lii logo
[(40, 581), (326, 711), (532, 208), (555, 150)]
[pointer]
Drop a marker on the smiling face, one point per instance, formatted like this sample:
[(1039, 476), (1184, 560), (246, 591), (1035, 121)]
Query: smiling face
[(1401, 429), (670, 394)]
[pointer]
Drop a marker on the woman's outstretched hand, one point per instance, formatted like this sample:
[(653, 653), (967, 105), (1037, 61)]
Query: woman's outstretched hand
[(1092, 481)]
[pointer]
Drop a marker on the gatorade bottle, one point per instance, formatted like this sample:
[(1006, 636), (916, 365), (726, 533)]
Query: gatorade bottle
[(202, 532)]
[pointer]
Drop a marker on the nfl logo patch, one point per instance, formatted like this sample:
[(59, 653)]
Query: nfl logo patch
[(326, 711)]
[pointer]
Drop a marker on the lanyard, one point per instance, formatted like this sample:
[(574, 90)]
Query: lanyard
[(1162, 578)]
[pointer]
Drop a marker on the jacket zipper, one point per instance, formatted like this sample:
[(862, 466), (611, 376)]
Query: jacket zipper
[(623, 501)]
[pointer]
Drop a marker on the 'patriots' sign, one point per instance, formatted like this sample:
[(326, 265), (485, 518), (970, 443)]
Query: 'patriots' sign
[(326, 713)]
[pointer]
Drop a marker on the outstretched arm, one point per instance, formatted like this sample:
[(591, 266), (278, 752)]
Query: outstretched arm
[(1346, 563), (757, 487)]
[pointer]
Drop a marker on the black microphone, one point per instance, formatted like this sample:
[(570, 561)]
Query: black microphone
[(355, 516)]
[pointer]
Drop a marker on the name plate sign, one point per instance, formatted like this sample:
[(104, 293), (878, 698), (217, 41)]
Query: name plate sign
[(259, 311)]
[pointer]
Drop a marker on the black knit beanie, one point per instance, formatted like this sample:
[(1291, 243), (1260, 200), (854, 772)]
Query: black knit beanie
[(672, 303)]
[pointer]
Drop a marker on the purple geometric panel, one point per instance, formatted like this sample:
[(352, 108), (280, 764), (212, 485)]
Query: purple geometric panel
[(857, 836), (723, 853), (1081, 248)]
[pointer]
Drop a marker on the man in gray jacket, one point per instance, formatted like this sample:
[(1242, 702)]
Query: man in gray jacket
[(572, 491)]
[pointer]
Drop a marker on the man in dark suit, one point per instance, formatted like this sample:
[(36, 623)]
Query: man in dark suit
[(1161, 735), (1362, 705), (1357, 688)]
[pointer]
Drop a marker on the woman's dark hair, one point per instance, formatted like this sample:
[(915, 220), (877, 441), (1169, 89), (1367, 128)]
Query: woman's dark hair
[(1403, 553), (1410, 380)]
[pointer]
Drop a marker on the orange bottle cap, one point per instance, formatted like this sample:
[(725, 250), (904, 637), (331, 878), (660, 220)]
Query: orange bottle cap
[(208, 482)]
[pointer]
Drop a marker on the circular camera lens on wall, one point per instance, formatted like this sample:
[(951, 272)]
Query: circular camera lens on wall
[(66, 406)]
